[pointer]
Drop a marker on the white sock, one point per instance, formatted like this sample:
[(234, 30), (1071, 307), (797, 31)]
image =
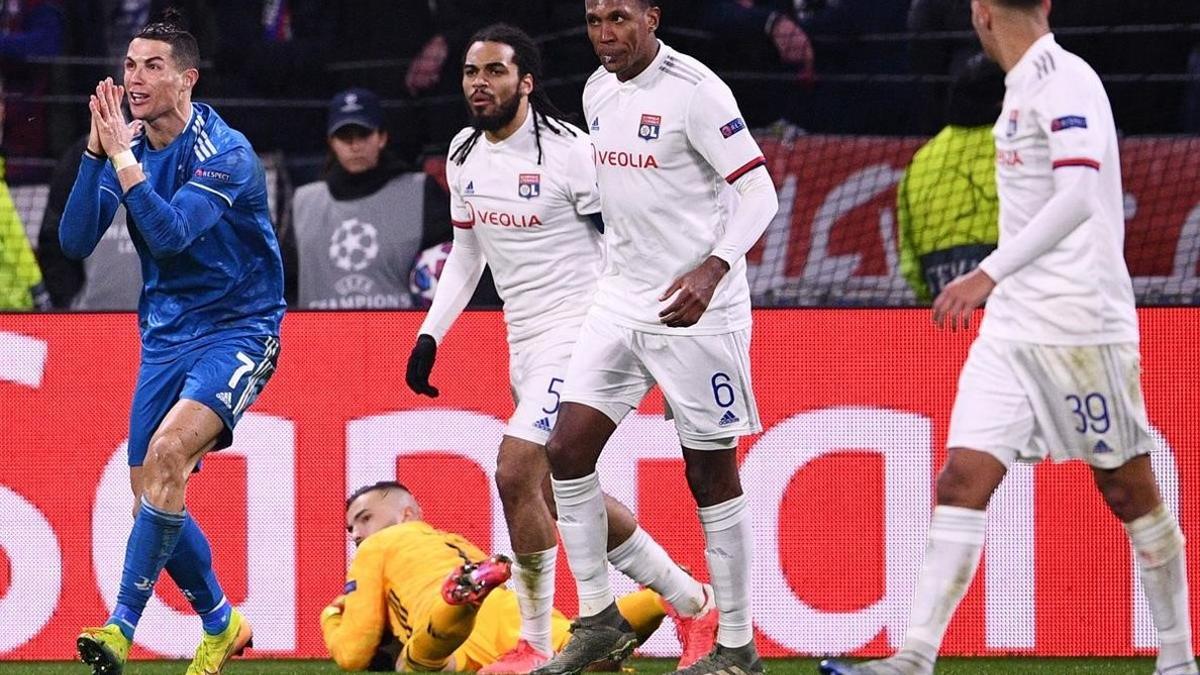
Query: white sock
[(728, 544), (1158, 544), (583, 526), (645, 561), (951, 557), (533, 581)]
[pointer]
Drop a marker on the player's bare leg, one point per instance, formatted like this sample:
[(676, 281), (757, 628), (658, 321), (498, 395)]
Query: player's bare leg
[(188, 431), (519, 470), (956, 533), (1132, 494), (601, 632)]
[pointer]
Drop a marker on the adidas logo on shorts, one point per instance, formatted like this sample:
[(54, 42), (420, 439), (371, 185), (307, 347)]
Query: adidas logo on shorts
[(727, 419), (1101, 447), (226, 398), (543, 424)]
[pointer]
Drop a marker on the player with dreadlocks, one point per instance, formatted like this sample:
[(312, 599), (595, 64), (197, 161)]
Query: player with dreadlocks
[(524, 200), (527, 59)]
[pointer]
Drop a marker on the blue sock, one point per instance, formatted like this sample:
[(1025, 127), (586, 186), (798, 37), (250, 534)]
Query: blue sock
[(151, 542), (191, 569)]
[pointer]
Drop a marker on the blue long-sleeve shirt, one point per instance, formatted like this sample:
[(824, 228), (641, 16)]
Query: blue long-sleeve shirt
[(200, 223)]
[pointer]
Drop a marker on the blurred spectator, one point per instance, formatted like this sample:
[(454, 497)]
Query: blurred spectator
[(1127, 60), (104, 28), (855, 42), (818, 71), (1191, 102), (946, 205), (274, 49), (759, 36), (435, 73), (358, 231), (21, 285), (938, 56), (28, 29), (108, 279)]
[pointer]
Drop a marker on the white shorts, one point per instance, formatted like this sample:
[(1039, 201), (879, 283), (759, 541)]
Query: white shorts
[(536, 369), (1022, 401), (705, 379)]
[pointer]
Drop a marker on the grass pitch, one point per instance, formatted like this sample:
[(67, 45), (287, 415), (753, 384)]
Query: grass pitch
[(947, 666)]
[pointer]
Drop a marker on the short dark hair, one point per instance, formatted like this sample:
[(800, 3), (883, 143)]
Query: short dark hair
[(373, 487), (170, 29), (976, 93), (1019, 4)]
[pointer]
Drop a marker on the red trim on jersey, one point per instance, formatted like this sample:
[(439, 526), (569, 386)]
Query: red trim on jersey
[(746, 168), (464, 224), (1077, 161)]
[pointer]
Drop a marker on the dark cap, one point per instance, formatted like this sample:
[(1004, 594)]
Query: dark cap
[(355, 106)]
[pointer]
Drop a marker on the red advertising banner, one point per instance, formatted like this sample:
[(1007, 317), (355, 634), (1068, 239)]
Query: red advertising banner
[(834, 240), (855, 406)]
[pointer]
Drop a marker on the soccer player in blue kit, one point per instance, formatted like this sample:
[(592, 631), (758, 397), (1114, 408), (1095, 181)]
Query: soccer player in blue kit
[(209, 317)]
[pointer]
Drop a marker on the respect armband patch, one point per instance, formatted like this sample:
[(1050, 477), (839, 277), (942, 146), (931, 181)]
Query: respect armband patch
[(732, 127), (1068, 122)]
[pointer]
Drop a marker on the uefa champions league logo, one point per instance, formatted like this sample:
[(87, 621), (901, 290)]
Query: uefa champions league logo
[(354, 245)]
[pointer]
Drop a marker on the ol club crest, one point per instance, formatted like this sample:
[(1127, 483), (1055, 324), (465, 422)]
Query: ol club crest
[(648, 129), (529, 185)]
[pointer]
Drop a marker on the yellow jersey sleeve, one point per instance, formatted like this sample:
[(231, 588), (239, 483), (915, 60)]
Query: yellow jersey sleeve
[(352, 635), (19, 271)]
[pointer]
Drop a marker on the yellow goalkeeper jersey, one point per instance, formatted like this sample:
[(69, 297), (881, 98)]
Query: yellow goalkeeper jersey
[(395, 582)]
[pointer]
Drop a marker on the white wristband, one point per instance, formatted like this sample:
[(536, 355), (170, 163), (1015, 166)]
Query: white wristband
[(123, 160)]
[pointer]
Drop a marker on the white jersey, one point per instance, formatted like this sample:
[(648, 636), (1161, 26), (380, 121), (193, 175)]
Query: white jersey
[(668, 142), (531, 221), (1057, 115)]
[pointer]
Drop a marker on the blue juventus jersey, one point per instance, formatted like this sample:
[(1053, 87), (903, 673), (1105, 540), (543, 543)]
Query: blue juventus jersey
[(209, 256)]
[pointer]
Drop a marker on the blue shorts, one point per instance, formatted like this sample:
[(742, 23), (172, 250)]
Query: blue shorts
[(226, 376)]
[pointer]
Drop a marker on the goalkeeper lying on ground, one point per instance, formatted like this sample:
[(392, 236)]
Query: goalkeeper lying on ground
[(421, 599)]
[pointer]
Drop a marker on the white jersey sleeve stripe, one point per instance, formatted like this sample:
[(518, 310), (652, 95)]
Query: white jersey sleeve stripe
[(1076, 161), (745, 169), (464, 224)]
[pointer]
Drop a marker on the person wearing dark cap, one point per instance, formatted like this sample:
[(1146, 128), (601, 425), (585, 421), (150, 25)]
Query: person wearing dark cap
[(358, 230), (946, 203)]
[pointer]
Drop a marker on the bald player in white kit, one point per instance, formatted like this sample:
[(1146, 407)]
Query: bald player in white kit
[(1055, 369), (685, 193), (524, 200)]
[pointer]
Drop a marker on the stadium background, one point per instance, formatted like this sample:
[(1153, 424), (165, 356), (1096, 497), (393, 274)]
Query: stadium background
[(855, 389)]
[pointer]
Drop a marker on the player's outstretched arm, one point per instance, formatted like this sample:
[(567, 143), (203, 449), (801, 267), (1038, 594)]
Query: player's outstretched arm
[(461, 274)]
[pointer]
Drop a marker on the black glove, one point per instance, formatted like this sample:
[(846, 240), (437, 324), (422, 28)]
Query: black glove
[(420, 364)]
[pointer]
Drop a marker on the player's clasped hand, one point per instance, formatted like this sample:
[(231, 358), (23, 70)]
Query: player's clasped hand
[(693, 291), (955, 303), (420, 364), (114, 133)]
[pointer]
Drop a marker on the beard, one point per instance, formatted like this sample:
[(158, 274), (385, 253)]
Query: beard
[(506, 111)]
